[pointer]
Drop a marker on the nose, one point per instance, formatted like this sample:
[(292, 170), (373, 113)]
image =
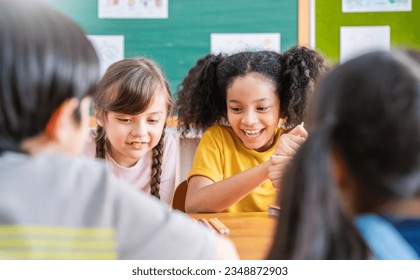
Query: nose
[(249, 118), (139, 130)]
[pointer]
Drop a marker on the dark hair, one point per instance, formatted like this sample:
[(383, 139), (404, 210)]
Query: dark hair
[(133, 82), (366, 112), (45, 59), (202, 94)]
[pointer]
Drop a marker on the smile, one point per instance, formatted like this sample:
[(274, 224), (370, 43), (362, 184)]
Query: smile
[(253, 133), (137, 144)]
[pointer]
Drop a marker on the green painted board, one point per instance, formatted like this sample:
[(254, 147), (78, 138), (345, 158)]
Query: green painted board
[(177, 42), (405, 26)]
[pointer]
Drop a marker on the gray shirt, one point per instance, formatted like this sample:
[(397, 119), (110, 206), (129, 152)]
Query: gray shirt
[(50, 198)]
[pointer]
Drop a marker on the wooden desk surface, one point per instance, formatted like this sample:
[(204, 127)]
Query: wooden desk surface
[(251, 232)]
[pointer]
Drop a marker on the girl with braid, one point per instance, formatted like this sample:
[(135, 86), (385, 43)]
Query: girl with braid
[(239, 102), (131, 105)]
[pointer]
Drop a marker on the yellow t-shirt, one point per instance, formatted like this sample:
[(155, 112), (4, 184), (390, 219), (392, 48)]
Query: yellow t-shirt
[(221, 154)]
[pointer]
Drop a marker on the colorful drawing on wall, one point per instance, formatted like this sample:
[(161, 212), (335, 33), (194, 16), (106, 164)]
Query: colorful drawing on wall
[(133, 9), (110, 48), (235, 42), (355, 40), (356, 6)]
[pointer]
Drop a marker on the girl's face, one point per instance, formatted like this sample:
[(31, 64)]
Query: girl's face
[(253, 111), (130, 137)]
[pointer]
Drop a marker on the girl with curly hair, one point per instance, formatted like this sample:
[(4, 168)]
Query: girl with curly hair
[(131, 105), (239, 101)]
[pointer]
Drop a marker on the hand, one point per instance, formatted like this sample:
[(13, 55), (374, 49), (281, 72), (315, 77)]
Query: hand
[(286, 148), (276, 169), (290, 142)]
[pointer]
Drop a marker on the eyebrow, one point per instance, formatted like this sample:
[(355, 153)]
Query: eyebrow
[(151, 113), (154, 113), (255, 101)]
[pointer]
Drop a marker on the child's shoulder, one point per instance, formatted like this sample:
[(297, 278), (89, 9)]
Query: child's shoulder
[(218, 129), (222, 133), (53, 168), (76, 165)]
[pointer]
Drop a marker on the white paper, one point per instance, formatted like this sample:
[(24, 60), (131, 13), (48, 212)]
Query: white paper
[(235, 42), (133, 8), (356, 6), (356, 40), (110, 49)]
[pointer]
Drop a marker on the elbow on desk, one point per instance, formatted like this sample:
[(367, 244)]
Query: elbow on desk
[(193, 205)]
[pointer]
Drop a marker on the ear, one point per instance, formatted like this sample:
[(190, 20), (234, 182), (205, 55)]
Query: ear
[(62, 121)]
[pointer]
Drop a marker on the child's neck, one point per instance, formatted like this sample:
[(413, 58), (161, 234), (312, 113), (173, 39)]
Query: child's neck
[(405, 208)]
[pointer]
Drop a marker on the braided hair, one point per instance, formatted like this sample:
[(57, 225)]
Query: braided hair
[(128, 87)]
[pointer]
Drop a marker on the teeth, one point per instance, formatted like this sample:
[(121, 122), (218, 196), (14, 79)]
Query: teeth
[(137, 144), (253, 133)]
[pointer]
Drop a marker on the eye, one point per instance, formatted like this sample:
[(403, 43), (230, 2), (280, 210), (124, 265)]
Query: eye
[(263, 108), (153, 121), (124, 120), (235, 109)]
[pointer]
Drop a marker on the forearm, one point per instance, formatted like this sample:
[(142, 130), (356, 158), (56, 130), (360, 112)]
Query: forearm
[(216, 197)]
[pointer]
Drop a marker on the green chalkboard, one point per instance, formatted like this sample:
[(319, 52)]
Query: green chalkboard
[(177, 42), (405, 26)]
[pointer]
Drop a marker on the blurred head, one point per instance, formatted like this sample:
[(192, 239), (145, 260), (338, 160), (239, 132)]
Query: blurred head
[(371, 108), (45, 61), (132, 103), (363, 151)]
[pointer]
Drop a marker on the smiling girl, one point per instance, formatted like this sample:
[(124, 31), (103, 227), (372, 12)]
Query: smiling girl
[(131, 106), (240, 101)]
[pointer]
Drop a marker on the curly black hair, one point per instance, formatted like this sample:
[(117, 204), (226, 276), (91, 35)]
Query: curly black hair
[(202, 94)]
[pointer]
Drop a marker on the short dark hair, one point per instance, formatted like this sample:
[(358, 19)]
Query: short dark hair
[(45, 59)]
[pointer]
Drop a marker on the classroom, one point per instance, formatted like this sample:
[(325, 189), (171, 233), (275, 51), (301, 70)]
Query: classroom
[(178, 115)]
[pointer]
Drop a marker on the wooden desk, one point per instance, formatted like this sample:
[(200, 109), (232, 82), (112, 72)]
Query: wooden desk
[(251, 232)]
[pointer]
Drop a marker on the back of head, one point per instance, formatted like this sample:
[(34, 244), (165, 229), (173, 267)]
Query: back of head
[(372, 106), (44, 60), (366, 112)]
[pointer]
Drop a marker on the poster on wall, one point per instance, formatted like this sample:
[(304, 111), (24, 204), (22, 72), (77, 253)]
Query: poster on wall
[(356, 40), (357, 6), (157, 9), (110, 48), (235, 42)]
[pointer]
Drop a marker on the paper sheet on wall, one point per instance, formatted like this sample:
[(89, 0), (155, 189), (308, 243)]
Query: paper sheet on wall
[(110, 48), (133, 8), (356, 6), (234, 42), (356, 40)]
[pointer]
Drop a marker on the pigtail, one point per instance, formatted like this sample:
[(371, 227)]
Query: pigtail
[(312, 224), (302, 67), (157, 155), (100, 139), (200, 103)]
